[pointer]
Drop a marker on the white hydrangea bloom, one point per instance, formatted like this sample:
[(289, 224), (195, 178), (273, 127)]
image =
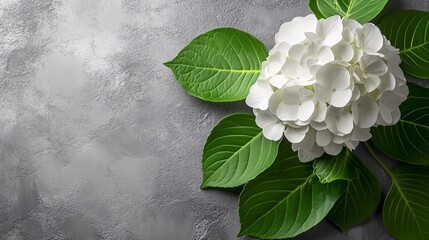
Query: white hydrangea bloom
[(326, 83)]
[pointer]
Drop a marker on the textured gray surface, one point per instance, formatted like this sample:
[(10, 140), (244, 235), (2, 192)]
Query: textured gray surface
[(98, 141)]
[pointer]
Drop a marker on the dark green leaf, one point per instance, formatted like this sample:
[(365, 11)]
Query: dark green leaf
[(315, 9), (408, 140), (360, 199), (285, 200), (330, 168), (406, 208), (408, 30), (361, 10), (220, 65), (236, 152)]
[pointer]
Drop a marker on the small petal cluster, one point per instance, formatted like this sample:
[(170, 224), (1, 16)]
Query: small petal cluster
[(326, 83)]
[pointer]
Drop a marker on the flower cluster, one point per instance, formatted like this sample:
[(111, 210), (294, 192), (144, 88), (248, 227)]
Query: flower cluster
[(326, 83)]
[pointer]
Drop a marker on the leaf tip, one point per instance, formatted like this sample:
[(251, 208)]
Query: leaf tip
[(241, 233), (204, 185), (344, 228), (168, 64)]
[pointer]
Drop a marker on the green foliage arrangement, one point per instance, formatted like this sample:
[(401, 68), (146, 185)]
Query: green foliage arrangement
[(282, 196)]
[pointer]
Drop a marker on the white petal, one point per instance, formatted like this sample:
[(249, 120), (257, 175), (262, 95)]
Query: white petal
[(274, 67), (320, 112), (259, 95), (264, 73), (324, 55), (388, 50), (402, 91), (288, 34), (304, 156), (388, 82), (343, 52), (304, 77), (329, 30), (341, 139), (358, 54), (333, 76), (348, 35), (352, 144), (305, 94), (287, 112), (323, 137), (331, 119), (281, 47), (370, 38), (318, 125), (293, 32), (300, 123), (305, 110), (292, 95), (295, 135), (361, 134), (307, 156), (333, 149), (278, 81), (340, 98), (264, 118), (322, 94), (396, 115), (341, 78), (357, 74), (308, 23), (351, 24), (297, 51), (371, 83), (373, 65), (394, 67), (345, 122), (309, 140), (290, 68), (274, 131), (355, 94), (386, 114), (311, 36), (275, 63), (274, 102), (365, 112)]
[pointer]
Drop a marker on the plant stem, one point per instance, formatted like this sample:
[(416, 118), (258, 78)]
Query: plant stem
[(377, 159)]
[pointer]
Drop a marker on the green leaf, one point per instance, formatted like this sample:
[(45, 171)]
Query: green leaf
[(407, 141), (330, 168), (236, 152), (406, 208), (408, 30), (220, 65), (315, 9), (285, 200), (361, 10), (360, 199)]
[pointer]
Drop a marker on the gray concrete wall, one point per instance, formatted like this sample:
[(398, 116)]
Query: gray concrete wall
[(98, 141)]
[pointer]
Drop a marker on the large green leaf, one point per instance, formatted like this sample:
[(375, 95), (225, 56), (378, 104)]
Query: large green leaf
[(330, 168), (220, 65), (236, 152), (406, 208), (360, 199), (285, 200), (361, 10), (408, 139), (408, 30)]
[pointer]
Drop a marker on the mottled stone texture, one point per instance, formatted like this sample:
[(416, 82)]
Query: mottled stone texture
[(98, 141)]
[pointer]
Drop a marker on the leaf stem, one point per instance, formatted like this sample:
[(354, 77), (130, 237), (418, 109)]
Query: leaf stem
[(377, 159)]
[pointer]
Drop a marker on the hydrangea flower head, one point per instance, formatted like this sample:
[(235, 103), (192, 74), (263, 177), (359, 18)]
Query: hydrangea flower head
[(326, 83)]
